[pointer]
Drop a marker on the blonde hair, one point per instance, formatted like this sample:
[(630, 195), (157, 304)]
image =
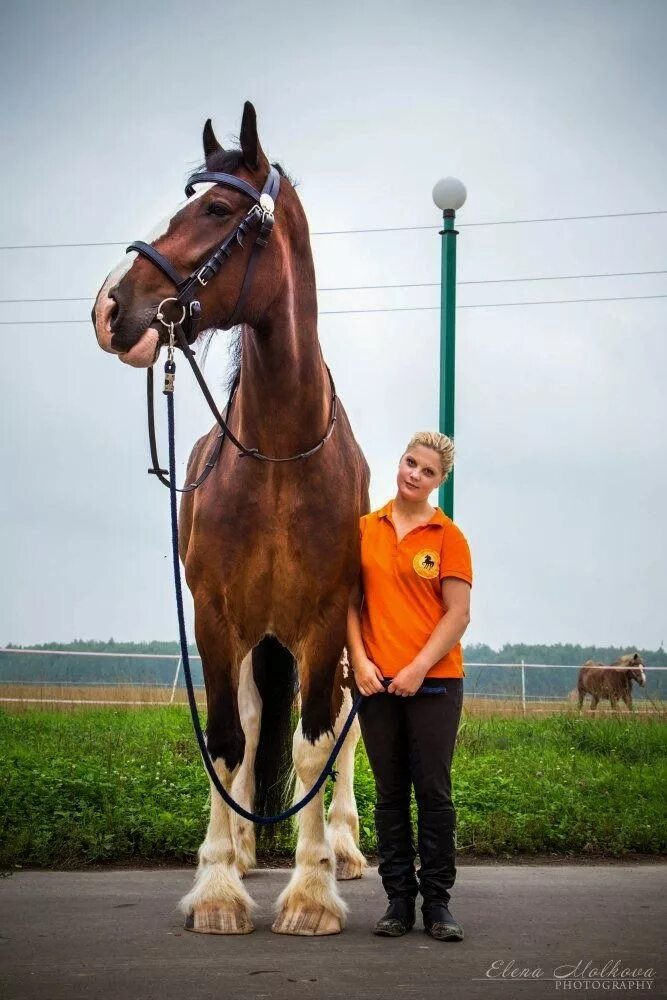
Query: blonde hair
[(437, 442)]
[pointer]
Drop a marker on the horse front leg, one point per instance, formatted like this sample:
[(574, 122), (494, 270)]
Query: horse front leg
[(343, 817), (243, 786), (310, 903), (218, 903)]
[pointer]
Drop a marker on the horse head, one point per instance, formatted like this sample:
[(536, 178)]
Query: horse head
[(125, 314), (635, 667)]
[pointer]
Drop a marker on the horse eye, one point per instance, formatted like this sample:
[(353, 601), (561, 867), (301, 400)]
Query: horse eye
[(217, 208)]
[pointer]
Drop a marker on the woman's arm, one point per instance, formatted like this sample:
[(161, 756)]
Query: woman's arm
[(448, 631), (367, 675)]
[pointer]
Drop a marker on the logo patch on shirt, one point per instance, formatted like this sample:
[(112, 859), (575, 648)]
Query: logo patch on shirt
[(426, 563)]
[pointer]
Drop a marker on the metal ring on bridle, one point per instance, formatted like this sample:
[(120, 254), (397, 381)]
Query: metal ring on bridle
[(160, 315)]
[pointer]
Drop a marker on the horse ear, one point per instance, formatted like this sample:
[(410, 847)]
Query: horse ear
[(253, 154), (211, 144)]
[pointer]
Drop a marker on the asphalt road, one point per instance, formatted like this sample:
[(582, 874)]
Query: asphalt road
[(118, 934)]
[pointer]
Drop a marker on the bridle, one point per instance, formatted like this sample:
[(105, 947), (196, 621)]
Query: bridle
[(185, 329), (260, 215)]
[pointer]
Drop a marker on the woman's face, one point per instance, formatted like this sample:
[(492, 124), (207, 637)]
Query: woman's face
[(419, 473)]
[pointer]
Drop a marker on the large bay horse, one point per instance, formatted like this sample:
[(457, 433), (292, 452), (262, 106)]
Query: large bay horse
[(612, 682), (270, 550)]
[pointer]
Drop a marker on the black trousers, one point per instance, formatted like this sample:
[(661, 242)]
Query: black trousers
[(410, 741)]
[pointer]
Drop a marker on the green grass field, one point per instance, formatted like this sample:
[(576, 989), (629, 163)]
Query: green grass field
[(109, 784)]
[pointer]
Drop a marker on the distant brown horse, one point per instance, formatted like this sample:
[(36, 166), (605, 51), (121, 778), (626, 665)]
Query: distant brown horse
[(271, 550), (611, 682)]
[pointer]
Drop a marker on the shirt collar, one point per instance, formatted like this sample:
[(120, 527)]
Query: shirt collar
[(439, 517)]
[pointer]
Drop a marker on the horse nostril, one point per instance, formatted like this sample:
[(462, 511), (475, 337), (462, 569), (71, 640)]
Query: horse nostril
[(112, 309)]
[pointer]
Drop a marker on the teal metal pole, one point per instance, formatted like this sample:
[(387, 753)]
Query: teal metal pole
[(447, 346)]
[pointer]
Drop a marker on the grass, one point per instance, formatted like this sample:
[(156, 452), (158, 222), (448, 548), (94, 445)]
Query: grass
[(126, 784)]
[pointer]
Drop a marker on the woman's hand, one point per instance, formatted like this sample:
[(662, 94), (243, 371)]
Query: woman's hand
[(407, 681), (368, 677)]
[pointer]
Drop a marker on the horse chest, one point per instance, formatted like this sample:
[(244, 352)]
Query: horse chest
[(278, 535)]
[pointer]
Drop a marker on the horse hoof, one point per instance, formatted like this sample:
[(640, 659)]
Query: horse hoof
[(347, 869), (312, 921), (214, 919)]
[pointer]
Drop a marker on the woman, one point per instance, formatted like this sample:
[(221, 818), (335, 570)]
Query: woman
[(406, 617)]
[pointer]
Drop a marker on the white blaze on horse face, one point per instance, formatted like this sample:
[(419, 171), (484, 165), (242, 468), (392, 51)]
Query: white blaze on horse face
[(104, 306)]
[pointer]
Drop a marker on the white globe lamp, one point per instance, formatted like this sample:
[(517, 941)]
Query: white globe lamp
[(449, 194)]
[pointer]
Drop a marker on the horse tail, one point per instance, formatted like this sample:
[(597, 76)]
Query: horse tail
[(275, 675)]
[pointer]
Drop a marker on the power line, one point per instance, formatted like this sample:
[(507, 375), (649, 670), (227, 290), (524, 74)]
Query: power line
[(349, 232), (82, 298), (420, 284), (490, 281), (495, 305), (500, 222), (339, 312)]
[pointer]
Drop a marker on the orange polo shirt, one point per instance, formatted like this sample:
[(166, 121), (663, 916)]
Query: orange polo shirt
[(402, 588)]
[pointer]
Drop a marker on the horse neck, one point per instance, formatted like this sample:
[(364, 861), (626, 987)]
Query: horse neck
[(284, 391)]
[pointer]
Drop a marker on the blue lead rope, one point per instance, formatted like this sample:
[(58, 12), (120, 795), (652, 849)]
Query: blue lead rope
[(206, 757)]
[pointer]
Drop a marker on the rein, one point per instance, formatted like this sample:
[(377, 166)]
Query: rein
[(176, 332)]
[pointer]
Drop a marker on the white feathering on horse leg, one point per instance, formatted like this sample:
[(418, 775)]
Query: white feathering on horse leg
[(243, 786), (310, 903), (218, 903), (343, 817)]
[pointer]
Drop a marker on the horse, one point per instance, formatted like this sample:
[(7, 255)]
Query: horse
[(611, 682), (270, 547)]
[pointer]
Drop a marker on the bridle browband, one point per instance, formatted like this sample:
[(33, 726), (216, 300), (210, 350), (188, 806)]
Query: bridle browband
[(260, 216)]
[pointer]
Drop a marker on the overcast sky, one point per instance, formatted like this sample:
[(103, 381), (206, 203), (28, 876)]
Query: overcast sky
[(543, 110)]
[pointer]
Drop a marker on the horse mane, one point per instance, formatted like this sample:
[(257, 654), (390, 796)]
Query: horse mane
[(235, 354), (625, 661), (228, 161)]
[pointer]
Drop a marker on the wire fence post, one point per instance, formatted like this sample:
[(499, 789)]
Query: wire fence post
[(173, 687), (523, 686)]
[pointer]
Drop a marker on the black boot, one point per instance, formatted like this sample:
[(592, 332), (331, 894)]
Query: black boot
[(399, 918), (437, 874), (396, 852), (440, 924)]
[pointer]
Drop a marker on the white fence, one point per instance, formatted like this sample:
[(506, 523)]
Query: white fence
[(476, 679)]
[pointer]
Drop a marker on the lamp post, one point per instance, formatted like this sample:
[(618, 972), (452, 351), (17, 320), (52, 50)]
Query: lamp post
[(449, 194)]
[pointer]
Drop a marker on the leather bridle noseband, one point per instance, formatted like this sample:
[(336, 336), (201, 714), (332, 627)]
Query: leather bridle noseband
[(185, 329)]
